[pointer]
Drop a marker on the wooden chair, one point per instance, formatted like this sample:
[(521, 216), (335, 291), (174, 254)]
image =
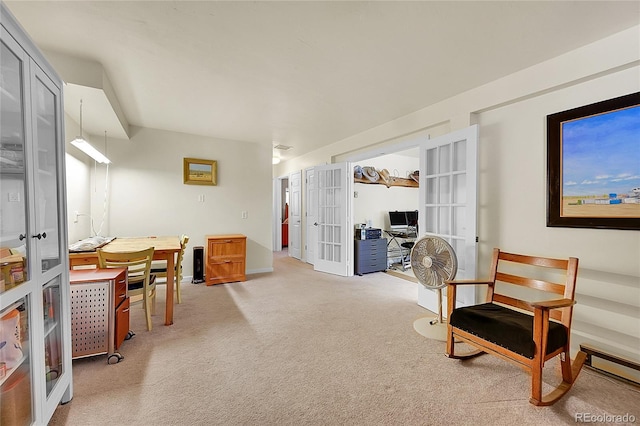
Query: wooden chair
[(140, 279), (159, 269), (504, 326)]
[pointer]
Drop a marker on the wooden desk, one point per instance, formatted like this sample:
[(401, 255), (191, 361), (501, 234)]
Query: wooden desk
[(165, 248)]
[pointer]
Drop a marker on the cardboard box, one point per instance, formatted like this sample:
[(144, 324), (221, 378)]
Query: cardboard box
[(15, 398)]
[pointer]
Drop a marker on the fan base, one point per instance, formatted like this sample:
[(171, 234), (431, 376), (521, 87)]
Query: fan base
[(437, 331)]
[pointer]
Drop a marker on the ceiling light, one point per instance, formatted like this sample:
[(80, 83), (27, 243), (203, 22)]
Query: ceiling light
[(86, 147), (282, 147), (276, 160)]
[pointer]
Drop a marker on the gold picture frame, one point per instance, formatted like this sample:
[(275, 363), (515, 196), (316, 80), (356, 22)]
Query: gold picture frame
[(200, 172)]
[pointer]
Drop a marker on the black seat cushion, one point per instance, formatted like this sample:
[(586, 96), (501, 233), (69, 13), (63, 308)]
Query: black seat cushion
[(505, 327), (138, 284)]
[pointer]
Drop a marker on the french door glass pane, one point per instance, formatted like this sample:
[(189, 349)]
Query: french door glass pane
[(444, 190), (459, 221), (460, 156), (337, 254), (431, 219), (431, 189), (432, 162), (459, 189), (445, 159), (444, 220)]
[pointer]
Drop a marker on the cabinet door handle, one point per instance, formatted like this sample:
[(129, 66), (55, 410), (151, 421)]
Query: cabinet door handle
[(122, 296), (228, 241), (39, 236), (22, 237), (125, 310)]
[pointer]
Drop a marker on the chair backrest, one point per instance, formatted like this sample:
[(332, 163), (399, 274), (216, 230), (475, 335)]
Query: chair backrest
[(137, 262), (533, 273), (183, 245)]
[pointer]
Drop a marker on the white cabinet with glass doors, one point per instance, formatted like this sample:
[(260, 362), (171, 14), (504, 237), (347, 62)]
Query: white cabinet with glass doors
[(35, 325)]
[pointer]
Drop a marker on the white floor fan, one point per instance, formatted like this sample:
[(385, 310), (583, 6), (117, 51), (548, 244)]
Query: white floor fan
[(433, 261)]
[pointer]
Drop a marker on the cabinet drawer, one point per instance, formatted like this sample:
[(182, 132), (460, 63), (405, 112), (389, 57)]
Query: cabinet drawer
[(225, 270), (121, 323), (370, 246), (225, 247), (120, 289)]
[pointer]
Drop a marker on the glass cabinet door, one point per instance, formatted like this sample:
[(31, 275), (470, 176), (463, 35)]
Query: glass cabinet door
[(13, 182), (15, 365), (52, 311), (47, 221)]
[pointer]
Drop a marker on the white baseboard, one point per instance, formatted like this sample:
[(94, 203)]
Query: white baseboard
[(259, 271), (189, 278)]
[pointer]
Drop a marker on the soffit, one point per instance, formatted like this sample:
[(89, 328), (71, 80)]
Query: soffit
[(307, 74)]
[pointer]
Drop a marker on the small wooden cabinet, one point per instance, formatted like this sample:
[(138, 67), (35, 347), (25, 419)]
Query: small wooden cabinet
[(225, 258), (99, 311)]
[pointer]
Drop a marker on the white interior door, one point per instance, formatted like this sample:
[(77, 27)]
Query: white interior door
[(448, 209), (311, 214), (334, 245), (295, 214)]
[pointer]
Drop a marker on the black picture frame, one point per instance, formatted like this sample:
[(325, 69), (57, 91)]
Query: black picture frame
[(561, 212)]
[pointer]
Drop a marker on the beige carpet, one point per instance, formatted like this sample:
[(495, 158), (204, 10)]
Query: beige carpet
[(298, 347)]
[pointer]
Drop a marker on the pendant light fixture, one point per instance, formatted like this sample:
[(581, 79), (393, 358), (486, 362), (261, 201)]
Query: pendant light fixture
[(86, 147)]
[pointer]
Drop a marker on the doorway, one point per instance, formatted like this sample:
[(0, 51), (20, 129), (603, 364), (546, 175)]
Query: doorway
[(373, 204), (281, 213)]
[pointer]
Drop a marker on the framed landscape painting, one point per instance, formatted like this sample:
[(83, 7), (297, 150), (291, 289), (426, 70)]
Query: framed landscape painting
[(200, 172), (593, 165)]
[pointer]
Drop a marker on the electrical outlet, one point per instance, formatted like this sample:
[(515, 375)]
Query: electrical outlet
[(245, 214), (201, 198), (75, 220), (14, 197)]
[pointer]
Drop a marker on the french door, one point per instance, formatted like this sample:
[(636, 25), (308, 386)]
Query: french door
[(311, 210), (448, 209), (295, 214), (334, 245)]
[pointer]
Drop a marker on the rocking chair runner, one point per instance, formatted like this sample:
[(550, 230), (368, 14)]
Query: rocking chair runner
[(527, 340)]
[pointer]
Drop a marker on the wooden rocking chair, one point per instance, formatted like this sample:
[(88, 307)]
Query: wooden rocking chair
[(503, 327)]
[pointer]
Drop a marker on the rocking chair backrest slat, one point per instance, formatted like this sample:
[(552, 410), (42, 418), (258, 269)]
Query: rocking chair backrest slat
[(569, 269)]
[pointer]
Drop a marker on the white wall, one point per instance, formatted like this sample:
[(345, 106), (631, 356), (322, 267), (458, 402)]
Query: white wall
[(511, 113), (78, 171), (147, 196), (374, 201)]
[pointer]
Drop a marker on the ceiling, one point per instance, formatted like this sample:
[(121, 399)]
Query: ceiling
[(305, 74)]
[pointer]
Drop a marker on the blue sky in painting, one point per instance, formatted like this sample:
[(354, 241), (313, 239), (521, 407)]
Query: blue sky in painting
[(601, 154)]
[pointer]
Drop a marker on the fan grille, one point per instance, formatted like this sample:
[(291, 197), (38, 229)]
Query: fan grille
[(433, 261)]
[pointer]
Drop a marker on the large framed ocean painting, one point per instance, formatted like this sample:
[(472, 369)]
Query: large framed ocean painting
[(593, 165)]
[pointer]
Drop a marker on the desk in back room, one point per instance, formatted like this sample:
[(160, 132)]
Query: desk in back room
[(165, 248)]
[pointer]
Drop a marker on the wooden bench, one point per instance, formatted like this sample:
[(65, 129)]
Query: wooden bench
[(528, 333)]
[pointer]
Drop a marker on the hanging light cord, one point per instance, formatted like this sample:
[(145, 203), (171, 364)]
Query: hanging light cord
[(106, 190), (81, 136)]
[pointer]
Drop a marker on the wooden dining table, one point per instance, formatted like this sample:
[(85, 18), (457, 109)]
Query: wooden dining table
[(165, 248)]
